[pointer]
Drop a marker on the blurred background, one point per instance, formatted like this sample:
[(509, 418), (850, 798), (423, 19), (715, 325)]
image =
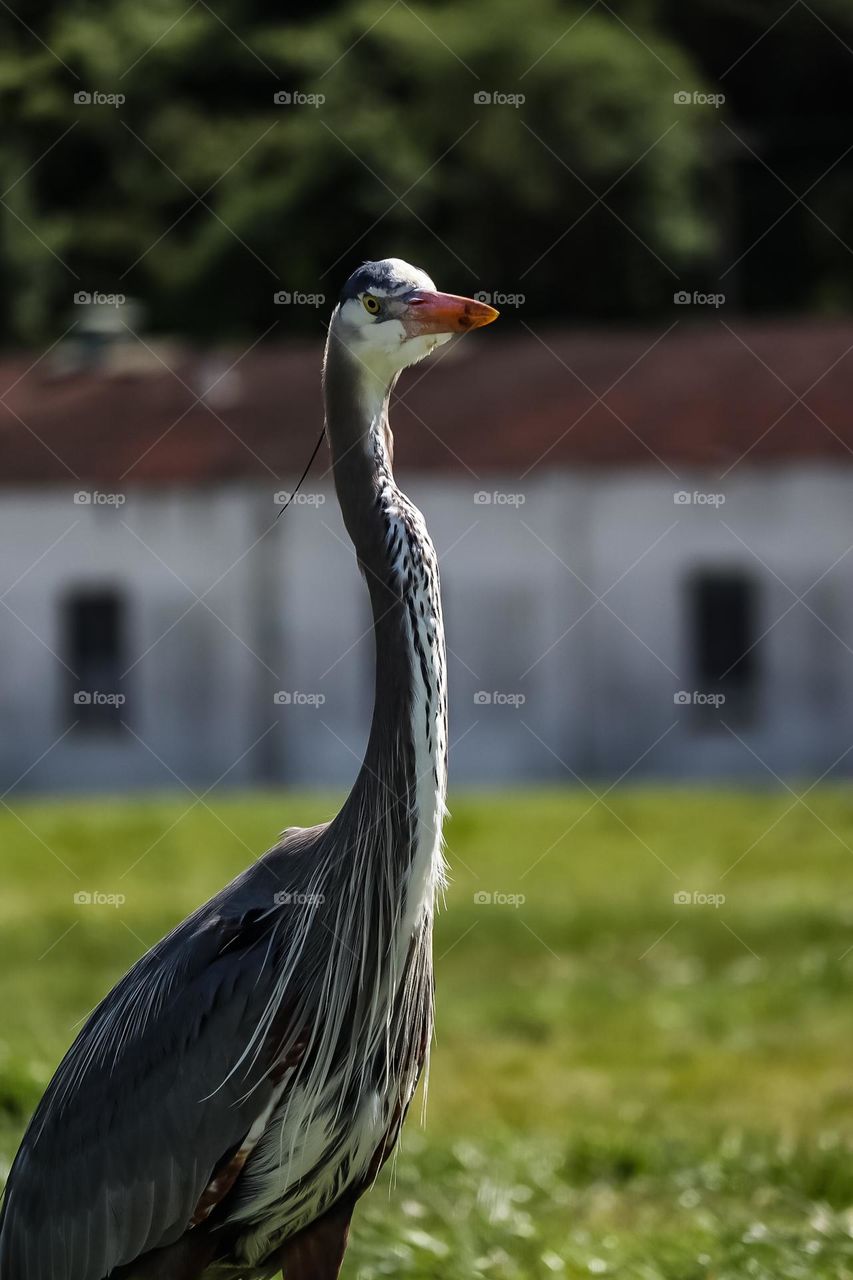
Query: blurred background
[(639, 484)]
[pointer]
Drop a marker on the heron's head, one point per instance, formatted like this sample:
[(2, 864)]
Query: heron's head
[(390, 316)]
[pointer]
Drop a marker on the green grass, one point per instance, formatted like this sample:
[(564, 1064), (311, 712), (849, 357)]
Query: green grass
[(620, 1084)]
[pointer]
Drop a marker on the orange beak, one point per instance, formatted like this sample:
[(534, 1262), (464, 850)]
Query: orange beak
[(445, 313)]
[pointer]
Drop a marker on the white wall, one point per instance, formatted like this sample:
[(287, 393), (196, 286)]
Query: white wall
[(581, 689), (190, 687), (786, 527)]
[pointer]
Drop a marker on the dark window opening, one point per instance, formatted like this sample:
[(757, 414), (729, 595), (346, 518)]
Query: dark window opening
[(94, 625), (723, 640)]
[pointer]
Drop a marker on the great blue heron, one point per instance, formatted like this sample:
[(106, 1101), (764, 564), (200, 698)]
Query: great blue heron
[(231, 1098)]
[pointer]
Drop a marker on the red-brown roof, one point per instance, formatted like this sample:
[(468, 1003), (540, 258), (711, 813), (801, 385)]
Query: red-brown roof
[(703, 394)]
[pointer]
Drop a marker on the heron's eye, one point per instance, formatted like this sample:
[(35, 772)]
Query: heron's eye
[(370, 303)]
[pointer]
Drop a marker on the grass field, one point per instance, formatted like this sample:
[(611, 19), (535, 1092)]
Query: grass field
[(622, 1084)]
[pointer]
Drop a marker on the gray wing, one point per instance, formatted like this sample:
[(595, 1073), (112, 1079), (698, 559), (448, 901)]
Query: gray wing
[(151, 1097)]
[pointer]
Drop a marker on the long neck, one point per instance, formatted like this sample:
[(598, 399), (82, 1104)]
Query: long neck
[(360, 440), (408, 735)]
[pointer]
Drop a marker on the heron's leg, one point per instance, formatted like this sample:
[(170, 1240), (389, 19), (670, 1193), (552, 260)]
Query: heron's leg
[(317, 1252)]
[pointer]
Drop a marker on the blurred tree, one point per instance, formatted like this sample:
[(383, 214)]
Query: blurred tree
[(596, 197), (204, 197), (785, 71)]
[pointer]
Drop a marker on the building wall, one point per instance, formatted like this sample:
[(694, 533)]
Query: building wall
[(188, 686), (567, 611)]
